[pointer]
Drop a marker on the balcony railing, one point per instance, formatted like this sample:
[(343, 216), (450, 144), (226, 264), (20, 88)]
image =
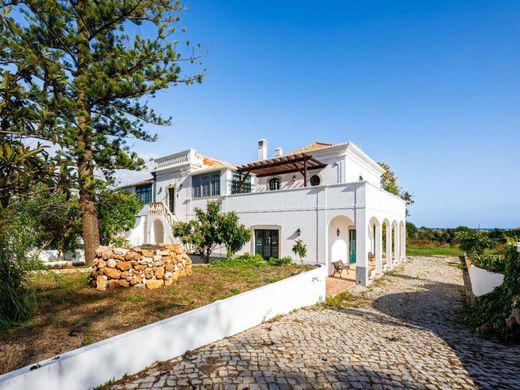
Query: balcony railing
[(173, 160), (159, 209)]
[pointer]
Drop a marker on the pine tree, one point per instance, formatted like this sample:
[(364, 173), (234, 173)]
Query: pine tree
[(85, 67)]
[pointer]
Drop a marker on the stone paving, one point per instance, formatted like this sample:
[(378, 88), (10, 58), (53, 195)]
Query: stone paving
[(406, 334)]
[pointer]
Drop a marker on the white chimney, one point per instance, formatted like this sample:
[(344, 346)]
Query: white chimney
[(278, 152), (262, 149)]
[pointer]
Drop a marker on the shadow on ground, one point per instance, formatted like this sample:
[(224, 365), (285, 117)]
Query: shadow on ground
[(438, 307)]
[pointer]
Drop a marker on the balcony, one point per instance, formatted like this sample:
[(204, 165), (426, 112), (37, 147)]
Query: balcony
[(177, 160)]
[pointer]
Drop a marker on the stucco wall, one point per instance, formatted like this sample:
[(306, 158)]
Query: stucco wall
[(482, 281), (131, 352)]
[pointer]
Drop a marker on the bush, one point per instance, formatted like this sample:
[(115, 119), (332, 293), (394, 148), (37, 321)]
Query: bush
[(16, 300), (300, 249), (491, 310), (248, 260), (491, 263), (245, 260), (473, 242), (284, 260)]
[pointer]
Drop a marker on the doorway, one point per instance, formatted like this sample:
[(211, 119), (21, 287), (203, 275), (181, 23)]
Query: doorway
[(352, 246), (267, 243), (171, 199)]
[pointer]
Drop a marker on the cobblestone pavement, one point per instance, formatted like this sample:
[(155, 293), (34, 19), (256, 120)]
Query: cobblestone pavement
[(407, 334)]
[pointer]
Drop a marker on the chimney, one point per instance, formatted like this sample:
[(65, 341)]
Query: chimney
[(262, 149), (278, 152)]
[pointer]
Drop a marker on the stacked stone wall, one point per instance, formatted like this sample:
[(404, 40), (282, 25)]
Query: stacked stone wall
[(144, 266)]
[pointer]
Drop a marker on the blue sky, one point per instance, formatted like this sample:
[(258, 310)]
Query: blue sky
[(430, 87)]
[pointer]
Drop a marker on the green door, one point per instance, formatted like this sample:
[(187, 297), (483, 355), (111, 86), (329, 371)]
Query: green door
[(266, 243), (352, 246)]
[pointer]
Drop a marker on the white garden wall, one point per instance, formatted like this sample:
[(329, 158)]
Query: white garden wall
[(131, 352), (482, 281)]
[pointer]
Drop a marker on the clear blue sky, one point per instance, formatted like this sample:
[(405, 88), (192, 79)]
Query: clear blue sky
[(431, 87)]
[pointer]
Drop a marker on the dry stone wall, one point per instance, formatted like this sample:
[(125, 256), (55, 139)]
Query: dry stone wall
[(145, 266)]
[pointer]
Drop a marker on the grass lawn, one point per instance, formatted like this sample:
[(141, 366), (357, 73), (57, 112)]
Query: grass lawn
[(69, 314), (432, 250)]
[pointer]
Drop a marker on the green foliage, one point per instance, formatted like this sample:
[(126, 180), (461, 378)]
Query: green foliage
[(491, 263), (491, 310), (16, 300), (473, 242), (78, 75), (300, 249), (245, 260), (211, 228), (389, 180), (411, 231), (279, 261), (117, 211), (248, 260), (389, 183), (233, 234)]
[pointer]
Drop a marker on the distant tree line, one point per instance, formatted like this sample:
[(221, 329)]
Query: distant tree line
[(449, 235)]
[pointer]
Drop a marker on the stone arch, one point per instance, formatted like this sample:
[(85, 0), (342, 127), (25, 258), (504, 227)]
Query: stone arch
[(157, 232), (339, 239)]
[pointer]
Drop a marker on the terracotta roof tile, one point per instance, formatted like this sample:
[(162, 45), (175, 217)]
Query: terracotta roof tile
[(212, 162), (311, 147)]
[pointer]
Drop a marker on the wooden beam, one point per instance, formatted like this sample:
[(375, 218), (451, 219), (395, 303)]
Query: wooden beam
[(305, 173)]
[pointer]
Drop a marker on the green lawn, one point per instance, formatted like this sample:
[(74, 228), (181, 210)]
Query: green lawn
[(433, 250)]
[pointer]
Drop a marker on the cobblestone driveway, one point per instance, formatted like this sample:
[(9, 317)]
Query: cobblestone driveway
[(408, 335)]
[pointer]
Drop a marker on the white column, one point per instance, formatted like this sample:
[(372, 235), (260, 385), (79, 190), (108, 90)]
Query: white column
[(396, 244), (362, 247), (389, 261), (378, 246), (403, 242)]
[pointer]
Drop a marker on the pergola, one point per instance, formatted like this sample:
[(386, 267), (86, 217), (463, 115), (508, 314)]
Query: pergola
[(298, 162)]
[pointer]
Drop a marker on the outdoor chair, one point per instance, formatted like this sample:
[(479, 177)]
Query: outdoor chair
[(339, 266), (371, 257)]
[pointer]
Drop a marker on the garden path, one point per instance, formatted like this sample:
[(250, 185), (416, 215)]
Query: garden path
[(406, 332)]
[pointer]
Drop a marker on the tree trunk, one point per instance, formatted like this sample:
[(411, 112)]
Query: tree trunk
[(89, 221), (85, 158)]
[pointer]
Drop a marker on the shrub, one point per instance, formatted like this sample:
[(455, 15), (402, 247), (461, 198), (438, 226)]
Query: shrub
[(300, 249), (473, 242), (16, 300), (491, 263), (245, 260), (282, 261), (492, 310), (212, 228)]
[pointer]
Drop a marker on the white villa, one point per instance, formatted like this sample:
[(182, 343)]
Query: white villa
[(329, 196)]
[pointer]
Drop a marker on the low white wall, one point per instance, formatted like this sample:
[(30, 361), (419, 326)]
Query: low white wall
[(131, 352), (52, 256), (482, 281)]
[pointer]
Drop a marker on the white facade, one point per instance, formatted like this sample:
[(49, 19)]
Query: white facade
[(340, 218)]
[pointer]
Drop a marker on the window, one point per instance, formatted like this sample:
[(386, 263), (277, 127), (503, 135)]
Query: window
[(236, 187), (206, 185), (315, 180), (274, 184), (171, 199), (266, 243), (144, 193)]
